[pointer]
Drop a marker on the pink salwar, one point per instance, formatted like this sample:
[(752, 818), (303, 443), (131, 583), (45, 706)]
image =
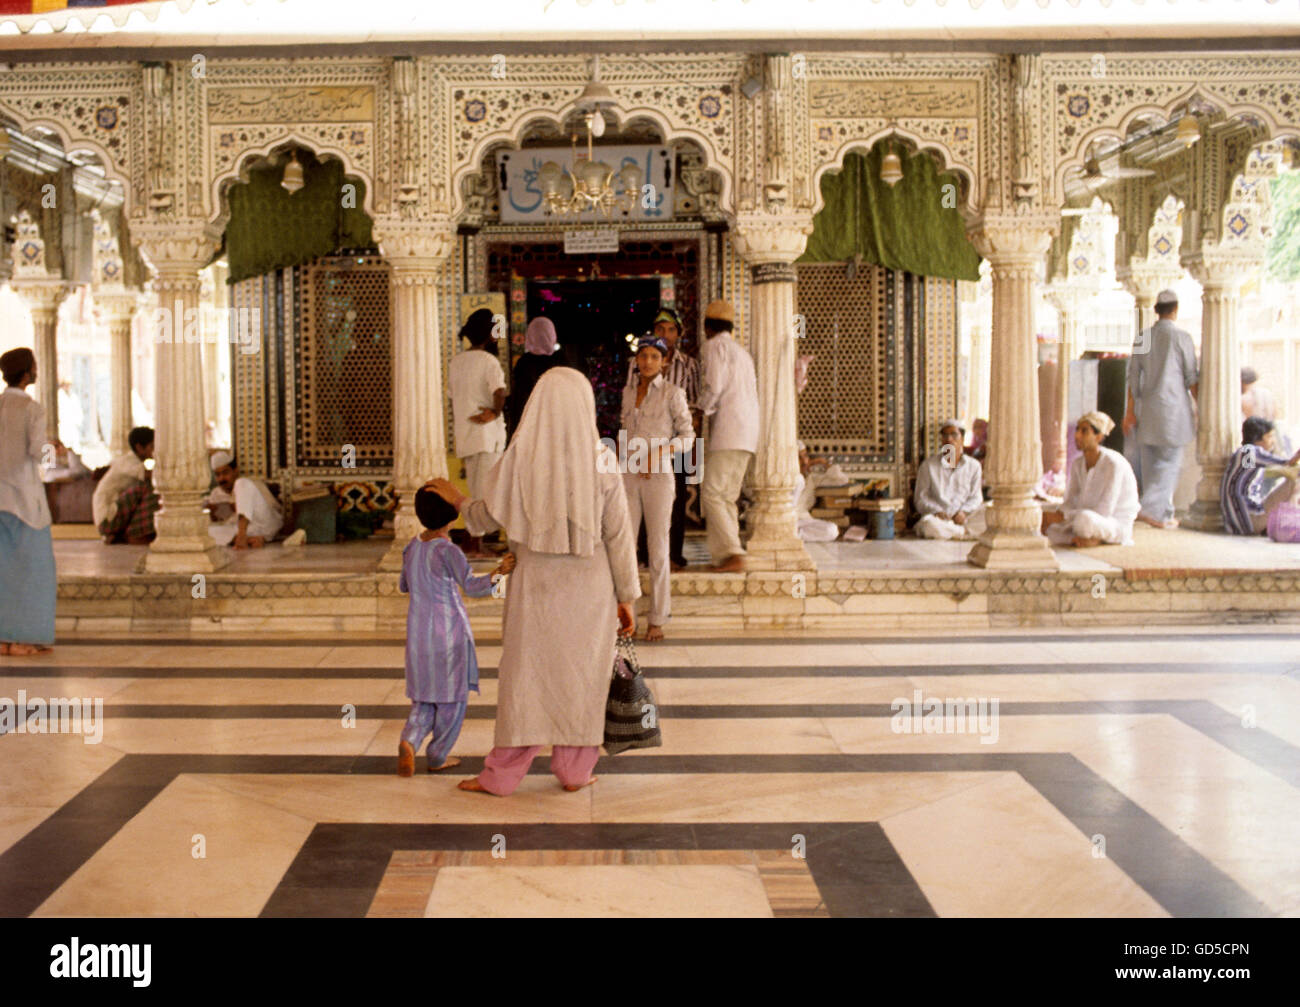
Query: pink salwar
[(505, 766)]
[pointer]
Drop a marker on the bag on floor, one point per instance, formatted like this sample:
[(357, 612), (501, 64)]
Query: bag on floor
[(631, 713)]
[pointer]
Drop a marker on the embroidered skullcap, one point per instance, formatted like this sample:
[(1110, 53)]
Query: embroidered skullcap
[(1166, 297), (1099, 421)]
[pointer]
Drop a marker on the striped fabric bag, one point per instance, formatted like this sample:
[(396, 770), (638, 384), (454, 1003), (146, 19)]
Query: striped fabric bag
[(631, 713)]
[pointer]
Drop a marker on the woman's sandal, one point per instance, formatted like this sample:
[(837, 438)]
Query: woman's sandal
[(571, 788), (654, 633), (451, 763), (473, 786)]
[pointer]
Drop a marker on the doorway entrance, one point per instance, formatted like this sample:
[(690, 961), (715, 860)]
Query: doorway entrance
[(597, 322)]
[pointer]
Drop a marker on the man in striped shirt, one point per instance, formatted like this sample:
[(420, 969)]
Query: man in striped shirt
[(1246, 496), (682, 370)]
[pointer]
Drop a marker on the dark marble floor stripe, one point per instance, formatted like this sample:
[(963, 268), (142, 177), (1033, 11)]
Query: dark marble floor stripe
[(739, 671), (1178, 877), (856, 868)]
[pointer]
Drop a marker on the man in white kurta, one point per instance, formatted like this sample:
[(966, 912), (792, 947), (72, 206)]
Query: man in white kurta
[(948, 488), (729, 397), (813, 474), (1101, 498), (476, 384), (256, 516)]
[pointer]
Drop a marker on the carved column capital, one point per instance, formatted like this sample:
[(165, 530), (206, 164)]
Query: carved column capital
[(1217, 267), (42, 297), (1014, 238), (175, 247), (763, 238), (1144, 280), (118, 305), (415, 245)]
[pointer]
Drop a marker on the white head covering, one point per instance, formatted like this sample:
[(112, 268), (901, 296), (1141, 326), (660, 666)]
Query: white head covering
[(221, 459), (544, 489), (1099, 421), (952, 422), (1166, 297)]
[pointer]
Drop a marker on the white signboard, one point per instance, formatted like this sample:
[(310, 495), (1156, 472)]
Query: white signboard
[(521, 191), (590, 242)]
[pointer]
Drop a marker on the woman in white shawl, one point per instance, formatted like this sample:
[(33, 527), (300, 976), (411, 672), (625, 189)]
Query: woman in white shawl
[(558, 493)]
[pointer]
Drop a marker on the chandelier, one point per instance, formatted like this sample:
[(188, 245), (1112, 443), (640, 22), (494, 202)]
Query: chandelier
[(588, 185)]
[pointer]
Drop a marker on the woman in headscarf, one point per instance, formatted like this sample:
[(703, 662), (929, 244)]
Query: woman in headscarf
[(27, 585), (539, 347), (558, 492)]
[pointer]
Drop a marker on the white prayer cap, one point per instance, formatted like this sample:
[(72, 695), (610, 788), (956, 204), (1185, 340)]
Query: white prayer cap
[(951, 423), (1166, 296), (221, 459), (1099, 421)]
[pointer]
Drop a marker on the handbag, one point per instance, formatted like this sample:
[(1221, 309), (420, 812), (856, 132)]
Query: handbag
[(631, 713)]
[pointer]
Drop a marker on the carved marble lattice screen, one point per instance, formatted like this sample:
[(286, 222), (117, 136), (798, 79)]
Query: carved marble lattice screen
[(343, 367), (939, 300), (847, 407)]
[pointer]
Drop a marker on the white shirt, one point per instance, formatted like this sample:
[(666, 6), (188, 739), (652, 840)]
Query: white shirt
[(949, 491), (663, 414), (729, 394), (254, 501), (124, 471), (1108, 488), (22, 441), (473, 377)]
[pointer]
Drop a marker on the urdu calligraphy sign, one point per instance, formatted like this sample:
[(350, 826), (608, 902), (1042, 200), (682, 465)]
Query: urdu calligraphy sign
[(866, 99), (291, 104)]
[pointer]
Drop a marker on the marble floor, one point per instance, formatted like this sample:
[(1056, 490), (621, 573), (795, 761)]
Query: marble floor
[(1133, 773)]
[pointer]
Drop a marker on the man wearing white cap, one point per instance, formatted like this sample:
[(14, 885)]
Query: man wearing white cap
[(255, 517), (948, 487), (729, 397), (1162, 384), (1101, 498)]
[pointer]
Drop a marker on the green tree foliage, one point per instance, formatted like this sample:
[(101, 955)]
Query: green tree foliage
[(1284, 246)]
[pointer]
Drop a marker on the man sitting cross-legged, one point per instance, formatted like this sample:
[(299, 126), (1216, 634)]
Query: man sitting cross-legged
[(1101, 497), (124, 502), (948, 490)]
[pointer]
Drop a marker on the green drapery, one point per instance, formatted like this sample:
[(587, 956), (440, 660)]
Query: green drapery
[(271, 229), (905, 226)]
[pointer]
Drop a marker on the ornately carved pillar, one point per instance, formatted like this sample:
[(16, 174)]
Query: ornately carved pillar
[(770, 244), (119, 308), (418, 252), (1014, 246), (43, 298), (1218, 427), (1068, 303), (177, 251)]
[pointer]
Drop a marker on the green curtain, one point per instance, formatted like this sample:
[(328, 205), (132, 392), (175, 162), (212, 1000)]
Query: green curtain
[(270, 228), (905, 226)]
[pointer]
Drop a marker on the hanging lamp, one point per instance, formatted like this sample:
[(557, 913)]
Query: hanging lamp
[(1188, 131), (891, 169), (293, 178)]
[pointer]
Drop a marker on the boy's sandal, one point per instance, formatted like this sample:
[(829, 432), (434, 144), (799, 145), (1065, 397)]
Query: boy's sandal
[(571, 788), (405, 758), (451, 763)]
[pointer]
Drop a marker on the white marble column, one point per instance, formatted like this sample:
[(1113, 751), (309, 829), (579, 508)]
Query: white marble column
[(1068, 303), (1218, 427), (118, 308), (418, 252), (43, 298), (1014, 247), (770, 244), (178, 250)]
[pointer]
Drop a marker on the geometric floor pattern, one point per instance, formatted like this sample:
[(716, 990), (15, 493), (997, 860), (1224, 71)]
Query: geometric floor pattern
[(1112, 774)]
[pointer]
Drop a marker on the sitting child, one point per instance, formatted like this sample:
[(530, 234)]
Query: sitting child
[(441, 665), (1247, 494)]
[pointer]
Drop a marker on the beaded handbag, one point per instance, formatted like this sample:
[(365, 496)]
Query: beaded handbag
[(631, 713)]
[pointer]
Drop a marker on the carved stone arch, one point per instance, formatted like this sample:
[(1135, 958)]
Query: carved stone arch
[(243, 162), (937, 149), (74, 140), (512, 135), (1197, 93)]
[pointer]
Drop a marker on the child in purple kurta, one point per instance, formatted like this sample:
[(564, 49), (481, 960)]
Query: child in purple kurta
[(441, 665)]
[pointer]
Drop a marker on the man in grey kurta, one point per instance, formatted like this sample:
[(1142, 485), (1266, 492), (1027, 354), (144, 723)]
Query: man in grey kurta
[(1162, 384)]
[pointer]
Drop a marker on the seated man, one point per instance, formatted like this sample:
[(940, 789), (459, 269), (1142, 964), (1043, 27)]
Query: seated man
[(948, 489), (813, 474), (1101, 497), (254, 515), (1247, 495), (124, 502)]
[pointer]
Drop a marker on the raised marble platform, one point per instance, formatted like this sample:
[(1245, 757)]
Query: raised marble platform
[(1165, 578)]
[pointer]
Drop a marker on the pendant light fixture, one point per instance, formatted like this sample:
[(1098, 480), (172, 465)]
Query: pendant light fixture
[(891, 169), (293, 178), (1188, 131)]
